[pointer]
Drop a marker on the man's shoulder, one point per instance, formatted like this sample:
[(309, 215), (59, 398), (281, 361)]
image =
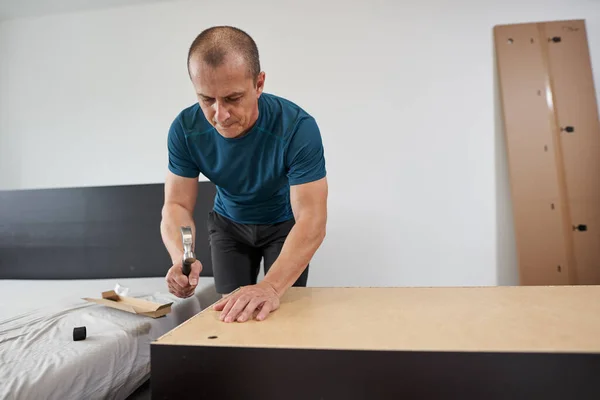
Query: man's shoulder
[(284, 115), (191, 119), (279, 104)]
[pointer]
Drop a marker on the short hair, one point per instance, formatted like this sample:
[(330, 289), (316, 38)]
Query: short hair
[(215, 43)]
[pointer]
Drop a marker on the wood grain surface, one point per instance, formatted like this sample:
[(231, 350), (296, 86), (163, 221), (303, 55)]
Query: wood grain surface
[(480, 319)]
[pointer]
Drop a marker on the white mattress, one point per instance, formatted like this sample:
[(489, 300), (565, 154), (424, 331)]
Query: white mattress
[(39, 358)]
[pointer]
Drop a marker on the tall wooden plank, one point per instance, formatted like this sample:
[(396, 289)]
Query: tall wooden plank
[(533, 156), (577, 115), (552, 59)]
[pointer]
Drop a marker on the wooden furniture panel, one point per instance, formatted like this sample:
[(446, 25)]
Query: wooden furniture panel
[(532, 157), (553, 142), (576, 107), (479, 342)]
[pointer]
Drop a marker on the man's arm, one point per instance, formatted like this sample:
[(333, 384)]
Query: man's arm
[(177, 211), (309, 204), (181, 190)]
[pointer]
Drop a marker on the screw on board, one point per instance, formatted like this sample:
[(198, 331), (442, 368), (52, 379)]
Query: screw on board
[(568, 129), (580, 228), (555, 39)]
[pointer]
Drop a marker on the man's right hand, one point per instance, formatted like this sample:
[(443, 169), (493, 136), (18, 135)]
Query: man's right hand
[(179, 284)]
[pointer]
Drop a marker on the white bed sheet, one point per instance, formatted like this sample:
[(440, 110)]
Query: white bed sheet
[(40, 360)]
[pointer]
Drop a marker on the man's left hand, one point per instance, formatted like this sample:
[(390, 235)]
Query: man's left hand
[(241, 304)]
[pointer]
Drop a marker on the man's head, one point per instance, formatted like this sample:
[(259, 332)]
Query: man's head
[(224, 67)]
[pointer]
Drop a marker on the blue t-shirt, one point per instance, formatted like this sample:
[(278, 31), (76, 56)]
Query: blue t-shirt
[(252, 173)]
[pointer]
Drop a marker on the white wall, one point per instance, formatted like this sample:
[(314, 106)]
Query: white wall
[(404, 93)]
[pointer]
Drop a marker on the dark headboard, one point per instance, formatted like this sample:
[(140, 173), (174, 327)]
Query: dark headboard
[(91, 232)]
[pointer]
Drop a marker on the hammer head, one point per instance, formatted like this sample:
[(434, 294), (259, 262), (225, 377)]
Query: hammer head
[(188, 253)]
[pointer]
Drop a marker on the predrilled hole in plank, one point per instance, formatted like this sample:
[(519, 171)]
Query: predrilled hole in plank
[(510, 41), (213, 337)]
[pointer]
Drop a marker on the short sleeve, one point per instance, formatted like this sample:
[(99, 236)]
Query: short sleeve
[(180, 160), (305, 156)]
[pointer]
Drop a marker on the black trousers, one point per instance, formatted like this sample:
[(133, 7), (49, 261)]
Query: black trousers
[(238, 249)]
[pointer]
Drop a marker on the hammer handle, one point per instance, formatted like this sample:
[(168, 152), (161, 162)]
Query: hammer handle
[(187, 268)]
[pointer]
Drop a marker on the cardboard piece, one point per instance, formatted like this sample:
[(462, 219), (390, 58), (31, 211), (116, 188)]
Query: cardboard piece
[(131, 304)]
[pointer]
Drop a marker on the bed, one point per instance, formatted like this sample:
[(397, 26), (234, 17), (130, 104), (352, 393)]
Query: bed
[(39, 358), (58, 246)]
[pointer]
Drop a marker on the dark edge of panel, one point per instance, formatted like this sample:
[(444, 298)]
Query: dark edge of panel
[(187, 372)]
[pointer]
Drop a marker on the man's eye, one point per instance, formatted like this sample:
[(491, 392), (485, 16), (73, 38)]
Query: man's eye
[(234, 99)]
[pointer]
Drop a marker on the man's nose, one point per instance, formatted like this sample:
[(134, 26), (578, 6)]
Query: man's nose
[(221, 112)]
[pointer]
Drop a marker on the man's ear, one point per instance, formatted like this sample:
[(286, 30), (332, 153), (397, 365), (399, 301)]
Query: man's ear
[(260, 83)]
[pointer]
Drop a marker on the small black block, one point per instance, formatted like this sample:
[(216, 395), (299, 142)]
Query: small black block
[(79, 333)]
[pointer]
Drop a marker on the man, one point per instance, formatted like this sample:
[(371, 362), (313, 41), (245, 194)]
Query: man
[(265, 156)]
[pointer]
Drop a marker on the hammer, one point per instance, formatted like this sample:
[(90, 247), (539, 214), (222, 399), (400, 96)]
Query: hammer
[(188, 254)]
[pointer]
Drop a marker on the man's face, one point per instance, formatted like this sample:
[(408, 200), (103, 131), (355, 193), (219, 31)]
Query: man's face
[(227, 94)]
